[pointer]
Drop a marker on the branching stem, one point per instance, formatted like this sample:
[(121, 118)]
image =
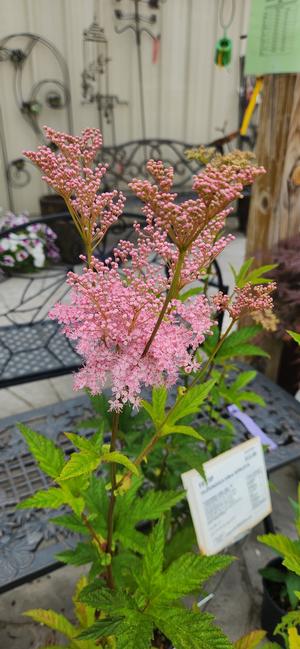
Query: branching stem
[(148, 448), (172, 293)]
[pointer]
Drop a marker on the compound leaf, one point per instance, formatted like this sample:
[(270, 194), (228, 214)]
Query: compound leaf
[(49, 457), (54, 620)]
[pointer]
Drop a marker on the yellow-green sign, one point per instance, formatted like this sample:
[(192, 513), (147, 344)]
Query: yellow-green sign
[(273, 44)]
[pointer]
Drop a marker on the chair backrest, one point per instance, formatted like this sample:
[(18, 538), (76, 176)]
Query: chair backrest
[(128, 160)]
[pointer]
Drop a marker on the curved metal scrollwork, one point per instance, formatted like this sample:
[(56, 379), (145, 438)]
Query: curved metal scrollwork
[(18, 173), (50, 92), (58, 94)]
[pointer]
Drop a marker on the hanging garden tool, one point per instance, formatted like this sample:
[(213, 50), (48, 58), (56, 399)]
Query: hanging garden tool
[(251, 105), (224, 45), (138, 22), (95, 75)]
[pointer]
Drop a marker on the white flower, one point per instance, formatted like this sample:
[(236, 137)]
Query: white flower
[(21, 255), (37, 252)]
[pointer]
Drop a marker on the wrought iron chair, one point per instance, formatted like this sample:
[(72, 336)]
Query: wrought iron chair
[(128, 160), (31, 345)]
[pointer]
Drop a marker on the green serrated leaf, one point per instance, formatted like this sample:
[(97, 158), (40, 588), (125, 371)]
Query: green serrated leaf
[(82, 463), (79, 556), (243, 349), (189, 572), (255, 276), (252, 397), (210, 433), (135, 633), (85, 614), (291, 619), (159, 399), (100, 629), (149, 578), (189, 402), (80, 442), (153, 504), (194, 458), (53, 620), (135, 628), (292, 584), (240, 336), (190, 293), (169, 429), (70, 522), (130, 538), (53, 498), (294, 335), (136, 636), (97, 504), (75, 502), (99, 596), (251, 640), (240, 275), (288, 549), (120, 458), (49, 457), (243, 379), (189, 630)]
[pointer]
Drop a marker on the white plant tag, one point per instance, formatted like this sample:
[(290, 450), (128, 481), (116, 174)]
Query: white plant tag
[(232, 500)]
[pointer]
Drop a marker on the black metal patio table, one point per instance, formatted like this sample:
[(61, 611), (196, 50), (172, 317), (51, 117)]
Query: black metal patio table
[(29, 542)]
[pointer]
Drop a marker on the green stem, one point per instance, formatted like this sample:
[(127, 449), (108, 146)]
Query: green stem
[(209, 361), (172, 293), (148, 448), (86, 239), (110, 517)]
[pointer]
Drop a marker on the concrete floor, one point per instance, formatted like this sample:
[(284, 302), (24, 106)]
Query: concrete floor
[(237, 592)]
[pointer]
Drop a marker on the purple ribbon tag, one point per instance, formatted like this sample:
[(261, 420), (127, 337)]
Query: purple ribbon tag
[(251, 426)]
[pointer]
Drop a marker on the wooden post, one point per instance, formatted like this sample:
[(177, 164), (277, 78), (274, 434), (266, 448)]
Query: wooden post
[(275, 204)]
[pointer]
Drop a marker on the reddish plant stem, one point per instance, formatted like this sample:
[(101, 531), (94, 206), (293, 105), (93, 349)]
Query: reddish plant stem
[(172, 293), (93, 533), (112, 502), (148, 448)]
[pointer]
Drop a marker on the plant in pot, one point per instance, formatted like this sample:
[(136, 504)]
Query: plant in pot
[(287, 307), (139, 337), (281, 581), (28, 249)]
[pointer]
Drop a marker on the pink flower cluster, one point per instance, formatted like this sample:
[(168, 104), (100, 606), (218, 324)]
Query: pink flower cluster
[(247, 300), (112, 320), (130, 326), (193, 225), (69, 172)]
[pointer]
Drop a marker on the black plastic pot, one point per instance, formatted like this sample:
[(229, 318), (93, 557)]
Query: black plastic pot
[(271, 613), (68, 239)]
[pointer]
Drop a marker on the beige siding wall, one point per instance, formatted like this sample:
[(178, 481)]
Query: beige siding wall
[(187, 97)]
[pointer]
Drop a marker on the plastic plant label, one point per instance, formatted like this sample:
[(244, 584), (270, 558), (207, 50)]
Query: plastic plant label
[(273, 44), (232, 500), (252, 427)]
